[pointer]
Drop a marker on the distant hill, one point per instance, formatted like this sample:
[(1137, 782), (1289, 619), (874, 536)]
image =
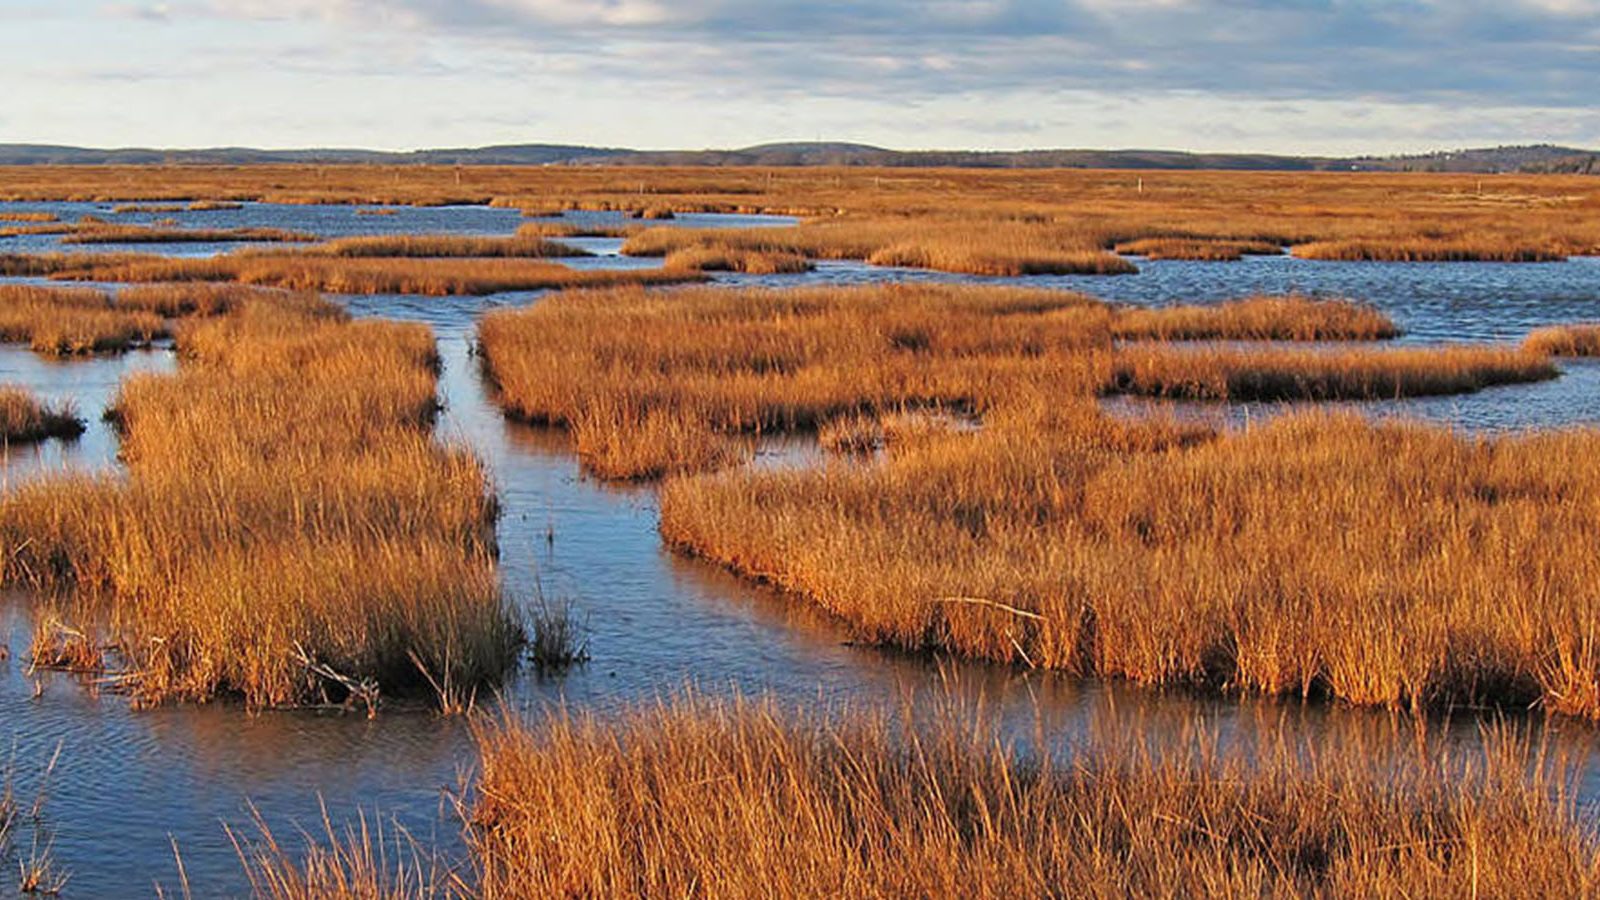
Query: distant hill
[(1528, 158)]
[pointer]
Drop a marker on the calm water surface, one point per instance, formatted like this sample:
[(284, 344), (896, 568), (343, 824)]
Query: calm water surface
[(130, 784)]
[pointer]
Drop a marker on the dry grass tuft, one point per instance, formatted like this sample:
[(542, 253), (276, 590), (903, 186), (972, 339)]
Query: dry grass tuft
[(1427, 250), (525, 243), (1565, 340), (313, 271), (1264, 318), (137, 234), (23, 418), (1268, 375), (1003, 249), (1197, 249), (725, 259)]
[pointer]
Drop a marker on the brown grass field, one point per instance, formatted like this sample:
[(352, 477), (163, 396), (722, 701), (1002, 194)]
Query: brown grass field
[(24, 419), (652, 383), (1566, 340), (692, 798), (288, 532)]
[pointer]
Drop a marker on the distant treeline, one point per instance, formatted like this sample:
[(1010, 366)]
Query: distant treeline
[(1537, 158)]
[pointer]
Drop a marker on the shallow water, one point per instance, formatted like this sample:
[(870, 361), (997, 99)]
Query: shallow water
[(129, 783)]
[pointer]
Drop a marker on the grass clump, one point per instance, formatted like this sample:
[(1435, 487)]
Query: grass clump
[(288, 532), (726, 259), (1268, 375), (1427, 250), (315, 271), (1565, 340), (135, 234), (25, 419), (1205, 250), (525, 243), (71, 321), (1001, 249), (1263, 318)]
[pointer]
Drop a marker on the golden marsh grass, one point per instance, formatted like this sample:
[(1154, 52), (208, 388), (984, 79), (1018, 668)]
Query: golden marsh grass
[(287, 532), (71, 321), (24, 418), (1317, 555), (653, 383), (747, 799), (1581, 339)]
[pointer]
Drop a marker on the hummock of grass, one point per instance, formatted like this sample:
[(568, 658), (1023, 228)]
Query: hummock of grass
[(137, 234), (727, 259), (25, 419), (73, 321), (1197, 249), (1000, 249), (288, 531), (1565, 340), (525, 243), (1268, 375), (1469, 249), (314, 271), (1264, 318)]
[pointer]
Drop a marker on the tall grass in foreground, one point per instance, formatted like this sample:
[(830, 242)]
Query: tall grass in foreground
[(699, 798), (24, 418), (288, 532), (1565, 340), (1319, 555)]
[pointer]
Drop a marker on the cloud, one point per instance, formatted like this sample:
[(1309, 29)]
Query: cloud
[(1541, 52), (1217, 74)]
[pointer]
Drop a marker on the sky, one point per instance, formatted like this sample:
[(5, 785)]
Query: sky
[(1297, 76)]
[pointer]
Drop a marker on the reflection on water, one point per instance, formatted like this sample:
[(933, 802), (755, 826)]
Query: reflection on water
[(658, 622)]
